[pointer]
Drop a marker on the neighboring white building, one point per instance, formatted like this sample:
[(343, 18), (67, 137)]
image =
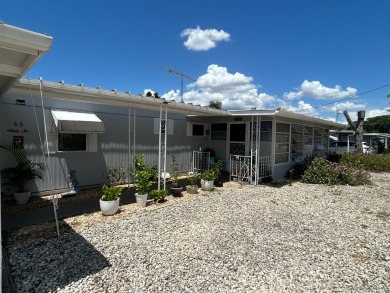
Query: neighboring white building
[(343, 141)]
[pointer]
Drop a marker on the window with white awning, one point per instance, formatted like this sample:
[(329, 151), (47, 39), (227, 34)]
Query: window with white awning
[(77, 122)]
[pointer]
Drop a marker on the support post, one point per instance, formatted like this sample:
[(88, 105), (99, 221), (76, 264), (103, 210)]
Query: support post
[(162, 142), (255, 141)]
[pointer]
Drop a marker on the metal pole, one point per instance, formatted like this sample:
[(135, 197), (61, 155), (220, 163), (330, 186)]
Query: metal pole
[(48, 168), (251, 152), (165, 142), (159, 151), (129, 148), (134, 133), (257, 150)]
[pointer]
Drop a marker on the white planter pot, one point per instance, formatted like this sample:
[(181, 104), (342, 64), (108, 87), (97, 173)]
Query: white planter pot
[(141, 199), (22, 197), (207, 185), (109, 208)]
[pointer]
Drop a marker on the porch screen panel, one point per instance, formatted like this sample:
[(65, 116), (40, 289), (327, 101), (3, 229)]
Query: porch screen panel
[(265, 138), (282, 146)]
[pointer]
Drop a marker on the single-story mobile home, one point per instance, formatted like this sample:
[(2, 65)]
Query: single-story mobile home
[(91, 130)]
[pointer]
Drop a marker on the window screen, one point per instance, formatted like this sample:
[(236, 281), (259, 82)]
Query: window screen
[(72, 142)]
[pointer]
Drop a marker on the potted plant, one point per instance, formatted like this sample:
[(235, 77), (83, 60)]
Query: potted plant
[(18, 177), (142, 180), (158, 195), (175, 181), (109, 202), (208, 176), (192, 188)]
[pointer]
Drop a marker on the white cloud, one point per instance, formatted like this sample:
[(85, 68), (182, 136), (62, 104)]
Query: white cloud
[(301, 108), (315, 90), (148, 90), (342, 106), (377, 112), (235, 91), (203, 40), (172, 95)]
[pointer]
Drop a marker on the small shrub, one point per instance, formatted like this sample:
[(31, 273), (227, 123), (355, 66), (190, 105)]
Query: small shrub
[(334, 157), (175, 173), (213, 173), (116, 175), (158, 195), (299, 169), (321, 171), (351, 175), (370, 162), (154, 171), (110, 193), (142, 175), (193, 179)]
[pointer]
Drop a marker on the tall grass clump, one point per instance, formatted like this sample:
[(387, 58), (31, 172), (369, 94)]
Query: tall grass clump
[(370, 162), (322, 171)]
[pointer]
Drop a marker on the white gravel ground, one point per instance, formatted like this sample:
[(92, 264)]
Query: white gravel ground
[(299, 238)]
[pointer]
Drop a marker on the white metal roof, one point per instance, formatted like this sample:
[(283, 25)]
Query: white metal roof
[(80, 93), (286, 114), (19, 50)]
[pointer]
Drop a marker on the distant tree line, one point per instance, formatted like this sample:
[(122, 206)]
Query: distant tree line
[(378, 124)]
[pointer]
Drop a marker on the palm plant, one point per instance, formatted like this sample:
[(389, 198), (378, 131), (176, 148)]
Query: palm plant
[(26, 170)]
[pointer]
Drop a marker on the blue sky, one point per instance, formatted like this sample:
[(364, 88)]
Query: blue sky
[(309, 57)]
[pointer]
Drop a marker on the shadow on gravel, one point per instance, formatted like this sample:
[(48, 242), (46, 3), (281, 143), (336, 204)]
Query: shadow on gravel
[(45, 264)]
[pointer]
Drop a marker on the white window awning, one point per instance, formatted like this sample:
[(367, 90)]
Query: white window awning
[(77, 122)]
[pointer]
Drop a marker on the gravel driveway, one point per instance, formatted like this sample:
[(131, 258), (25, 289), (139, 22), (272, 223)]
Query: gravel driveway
[(299, 238)]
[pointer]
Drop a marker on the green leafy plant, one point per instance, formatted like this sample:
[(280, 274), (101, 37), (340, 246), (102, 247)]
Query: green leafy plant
[(212, 173), (110, 193), (158, 195), (142, 175), (116, 175), (26, 170), (154, 171), (175, 174), (321, 172), (193, 179), (370, 162)]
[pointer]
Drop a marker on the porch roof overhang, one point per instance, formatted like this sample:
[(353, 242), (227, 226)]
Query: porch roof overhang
[(290, 115), (80, 93), (19, 50), (77, 122)]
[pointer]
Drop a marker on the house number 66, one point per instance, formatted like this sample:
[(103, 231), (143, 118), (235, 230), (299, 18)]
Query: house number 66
[(20, 124)]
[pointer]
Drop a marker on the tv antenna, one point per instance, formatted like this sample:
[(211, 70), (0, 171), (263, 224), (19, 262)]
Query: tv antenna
[(182, 75)]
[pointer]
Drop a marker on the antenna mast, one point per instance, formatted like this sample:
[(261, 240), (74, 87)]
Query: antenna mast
[(182, 75)]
